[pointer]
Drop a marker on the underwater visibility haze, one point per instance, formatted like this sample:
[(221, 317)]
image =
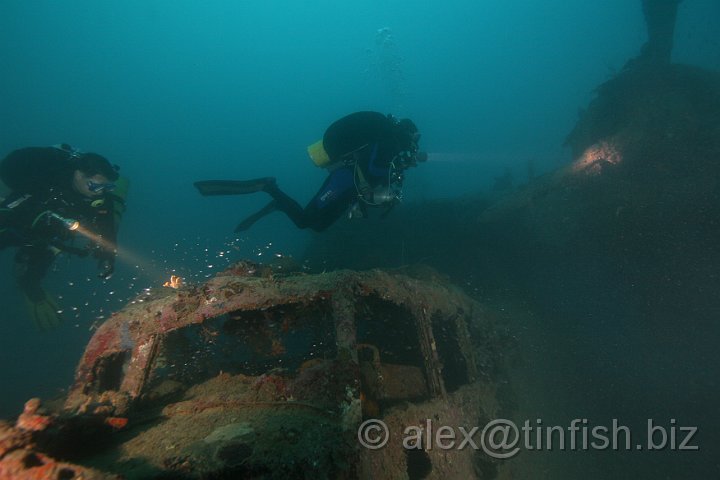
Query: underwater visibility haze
[(596, 321)]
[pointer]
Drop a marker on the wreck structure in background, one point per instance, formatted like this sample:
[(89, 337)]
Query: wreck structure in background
[(254, 375)]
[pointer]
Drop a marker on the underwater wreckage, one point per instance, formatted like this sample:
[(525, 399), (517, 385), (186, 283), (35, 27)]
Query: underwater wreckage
[(255, 375)]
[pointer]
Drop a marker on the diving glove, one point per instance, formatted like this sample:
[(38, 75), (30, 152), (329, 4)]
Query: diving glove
[(107, 267), (43, 312), (106, 262)]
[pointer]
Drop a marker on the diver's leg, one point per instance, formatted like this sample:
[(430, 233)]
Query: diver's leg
[(250, 221), (326, 206), (319, 219), (30, 267), (310, 217), (286, 204), (7, 239), (331, 201)]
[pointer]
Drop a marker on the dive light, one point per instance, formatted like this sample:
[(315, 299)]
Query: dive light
[(69, 223)]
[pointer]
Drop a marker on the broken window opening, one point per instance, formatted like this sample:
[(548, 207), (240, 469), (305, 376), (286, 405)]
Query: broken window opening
[(248, 342), (109, 372), (454, 364), (391, 360)]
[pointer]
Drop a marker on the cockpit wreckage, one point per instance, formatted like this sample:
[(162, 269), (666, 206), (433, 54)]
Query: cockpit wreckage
[(256, 375)]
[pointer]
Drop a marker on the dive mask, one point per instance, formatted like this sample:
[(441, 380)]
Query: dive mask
[(96, 187)]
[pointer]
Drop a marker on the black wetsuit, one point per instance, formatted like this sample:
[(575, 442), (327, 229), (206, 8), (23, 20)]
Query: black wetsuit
[(41, 182), (368, 140)]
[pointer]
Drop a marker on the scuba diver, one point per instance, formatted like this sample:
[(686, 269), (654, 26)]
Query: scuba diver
[(366, 155), (55, 193)]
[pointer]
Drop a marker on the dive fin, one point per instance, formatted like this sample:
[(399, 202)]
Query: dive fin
[(232, 187), (249, 221)]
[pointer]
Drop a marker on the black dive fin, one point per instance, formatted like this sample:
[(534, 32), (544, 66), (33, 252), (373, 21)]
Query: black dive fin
[(232, 187), (249, 221)]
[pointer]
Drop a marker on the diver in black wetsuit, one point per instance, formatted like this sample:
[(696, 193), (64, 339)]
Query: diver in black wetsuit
[(365, 153), (57, 192)]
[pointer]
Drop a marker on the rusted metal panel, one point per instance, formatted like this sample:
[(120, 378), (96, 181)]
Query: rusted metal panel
[(272, 372)]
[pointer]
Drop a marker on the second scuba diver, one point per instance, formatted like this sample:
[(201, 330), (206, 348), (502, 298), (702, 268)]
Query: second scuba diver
[(56, 193), (365, 153)]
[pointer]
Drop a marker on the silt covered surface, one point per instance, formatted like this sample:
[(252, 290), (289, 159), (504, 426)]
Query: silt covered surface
[(256, 375)]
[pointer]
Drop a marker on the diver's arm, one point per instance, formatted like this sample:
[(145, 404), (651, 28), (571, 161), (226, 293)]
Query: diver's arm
[(107, 222), (17, 212)]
